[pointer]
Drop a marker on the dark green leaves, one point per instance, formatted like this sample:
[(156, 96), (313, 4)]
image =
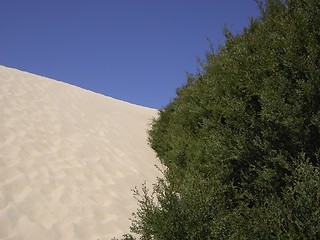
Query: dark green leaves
[(241, 140)]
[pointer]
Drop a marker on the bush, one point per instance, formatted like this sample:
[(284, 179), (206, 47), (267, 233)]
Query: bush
[(241, 140)]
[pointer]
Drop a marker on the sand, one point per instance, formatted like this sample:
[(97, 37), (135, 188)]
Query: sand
[(68, 160)]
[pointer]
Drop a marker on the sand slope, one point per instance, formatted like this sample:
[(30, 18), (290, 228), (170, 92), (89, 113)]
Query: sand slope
[(68, 159)]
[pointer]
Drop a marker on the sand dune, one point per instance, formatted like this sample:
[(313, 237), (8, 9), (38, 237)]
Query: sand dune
[(68, 159)]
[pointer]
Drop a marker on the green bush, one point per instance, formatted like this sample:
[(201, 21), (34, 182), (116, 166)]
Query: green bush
[(241, 140)]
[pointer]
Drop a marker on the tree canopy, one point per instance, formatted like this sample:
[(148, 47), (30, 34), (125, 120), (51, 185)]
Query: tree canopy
[(241, 139)]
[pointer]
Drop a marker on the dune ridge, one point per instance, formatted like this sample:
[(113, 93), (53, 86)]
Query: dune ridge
[(68, 159)]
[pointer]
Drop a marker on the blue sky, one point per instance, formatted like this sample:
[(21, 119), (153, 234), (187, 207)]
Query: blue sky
[(134, 50)]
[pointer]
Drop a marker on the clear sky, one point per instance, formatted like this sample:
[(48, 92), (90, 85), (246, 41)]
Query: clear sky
[(134, 50)]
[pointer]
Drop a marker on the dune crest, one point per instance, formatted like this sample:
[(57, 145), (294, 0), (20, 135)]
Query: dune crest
[(68, 159)]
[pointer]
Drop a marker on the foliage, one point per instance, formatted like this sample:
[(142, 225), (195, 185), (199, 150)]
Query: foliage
[(241, 140)]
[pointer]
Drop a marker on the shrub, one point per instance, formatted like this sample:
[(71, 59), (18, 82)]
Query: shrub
[(241, 139)]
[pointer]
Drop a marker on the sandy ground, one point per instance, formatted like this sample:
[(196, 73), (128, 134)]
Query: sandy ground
[(68, 160)]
